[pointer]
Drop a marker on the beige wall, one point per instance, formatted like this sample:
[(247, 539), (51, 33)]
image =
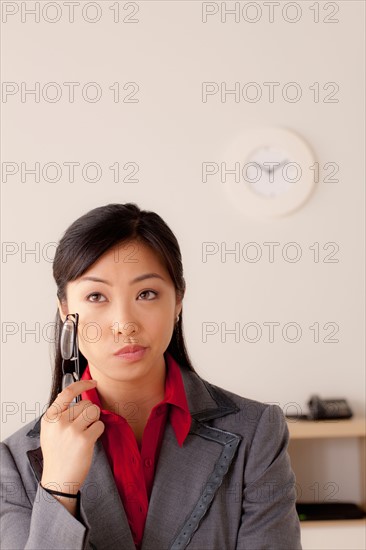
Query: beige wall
[(168, 133)]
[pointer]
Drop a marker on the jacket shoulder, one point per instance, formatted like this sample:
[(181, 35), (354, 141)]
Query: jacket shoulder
[(241, 402), (247, 415), (20, 439)]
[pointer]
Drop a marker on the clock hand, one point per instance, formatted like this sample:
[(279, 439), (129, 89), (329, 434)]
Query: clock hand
[(269, 168), (273, 167), (283, 162)]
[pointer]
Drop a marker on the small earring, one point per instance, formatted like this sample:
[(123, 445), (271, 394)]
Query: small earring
[(177, 318)]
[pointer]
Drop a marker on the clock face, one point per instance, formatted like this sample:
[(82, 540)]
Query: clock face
[(269, 172), (276, 172)]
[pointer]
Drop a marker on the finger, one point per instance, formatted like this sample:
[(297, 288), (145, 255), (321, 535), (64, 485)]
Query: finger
[(65, 397), (95, 430), (72, 413), (87, 416)]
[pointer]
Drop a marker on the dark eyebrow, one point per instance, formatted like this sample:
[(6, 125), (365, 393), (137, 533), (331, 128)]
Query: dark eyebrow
[(136, 280)]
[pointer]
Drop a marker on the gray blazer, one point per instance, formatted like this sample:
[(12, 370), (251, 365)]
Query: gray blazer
[(230, 486)]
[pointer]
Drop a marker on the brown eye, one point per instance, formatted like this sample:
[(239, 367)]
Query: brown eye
[(91, 297), (149, 292)]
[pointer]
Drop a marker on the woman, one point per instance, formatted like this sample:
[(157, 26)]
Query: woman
[(153, 456)]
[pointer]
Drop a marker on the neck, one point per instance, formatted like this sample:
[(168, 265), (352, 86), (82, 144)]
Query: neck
[(132, 399)]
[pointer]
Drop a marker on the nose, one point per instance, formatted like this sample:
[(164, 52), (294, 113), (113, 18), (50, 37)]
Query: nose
[(125, 324)]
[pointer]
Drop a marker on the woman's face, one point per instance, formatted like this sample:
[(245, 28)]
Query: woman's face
[(116, 309)]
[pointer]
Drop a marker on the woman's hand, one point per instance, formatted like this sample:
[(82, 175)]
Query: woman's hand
[(68, 435)]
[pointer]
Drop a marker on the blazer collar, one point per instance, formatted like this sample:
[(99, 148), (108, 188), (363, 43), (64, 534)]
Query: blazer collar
[(206, 460), (205, 401)]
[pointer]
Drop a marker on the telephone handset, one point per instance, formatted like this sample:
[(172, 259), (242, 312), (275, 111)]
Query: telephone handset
[(328, 409), (70, 351)]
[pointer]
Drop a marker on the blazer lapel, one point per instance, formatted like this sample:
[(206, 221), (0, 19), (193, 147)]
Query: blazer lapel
[(103, 506), (188, 477), (190, 474)]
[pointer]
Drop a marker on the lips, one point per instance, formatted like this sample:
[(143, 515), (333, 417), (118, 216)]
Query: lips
[(129, 349)]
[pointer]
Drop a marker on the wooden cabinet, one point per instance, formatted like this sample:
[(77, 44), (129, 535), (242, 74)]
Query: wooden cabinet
[(327, 432)]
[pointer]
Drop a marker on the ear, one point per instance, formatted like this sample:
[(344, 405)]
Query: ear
[(62, 308), (178, 306)]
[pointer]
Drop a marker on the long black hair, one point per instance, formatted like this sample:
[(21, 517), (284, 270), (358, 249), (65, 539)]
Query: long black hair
[(95, 233)]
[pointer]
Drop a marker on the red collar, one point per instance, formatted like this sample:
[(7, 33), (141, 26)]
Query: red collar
[(175, 395)]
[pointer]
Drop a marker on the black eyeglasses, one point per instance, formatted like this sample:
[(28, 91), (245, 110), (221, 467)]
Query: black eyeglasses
[(70, 351)]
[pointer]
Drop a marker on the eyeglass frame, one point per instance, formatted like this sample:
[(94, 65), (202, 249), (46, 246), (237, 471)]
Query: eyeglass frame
[(68, 378)]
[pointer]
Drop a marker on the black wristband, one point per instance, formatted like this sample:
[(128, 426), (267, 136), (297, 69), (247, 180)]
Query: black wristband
[(52, 492)]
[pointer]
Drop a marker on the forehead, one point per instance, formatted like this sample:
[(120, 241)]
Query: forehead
[(130, 257)]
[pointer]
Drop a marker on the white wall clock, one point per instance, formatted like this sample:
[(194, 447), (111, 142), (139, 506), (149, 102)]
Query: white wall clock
[(274, 172)]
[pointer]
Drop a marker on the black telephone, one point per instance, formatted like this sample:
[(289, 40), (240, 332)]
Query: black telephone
[(328, 409)]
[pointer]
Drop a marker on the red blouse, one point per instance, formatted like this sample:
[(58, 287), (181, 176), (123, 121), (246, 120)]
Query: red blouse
[(133, 469)]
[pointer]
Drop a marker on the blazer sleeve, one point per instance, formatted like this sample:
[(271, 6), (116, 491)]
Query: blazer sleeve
[(269, 518), (45, 524)]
